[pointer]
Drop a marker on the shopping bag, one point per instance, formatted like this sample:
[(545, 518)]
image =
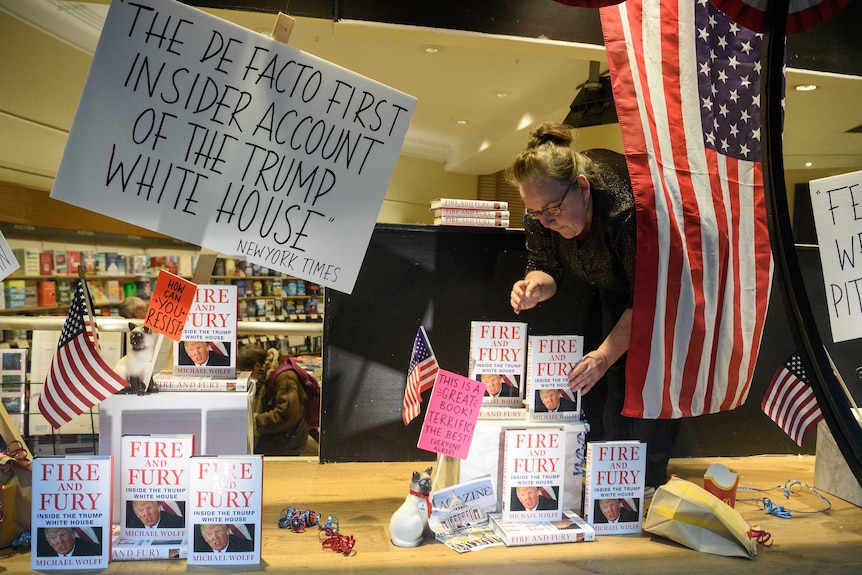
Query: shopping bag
[(691, 516), (15, 482)]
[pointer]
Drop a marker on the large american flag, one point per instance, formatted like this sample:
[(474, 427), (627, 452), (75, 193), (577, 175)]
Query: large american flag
[(79, 378), (420, 377), (686, 82)]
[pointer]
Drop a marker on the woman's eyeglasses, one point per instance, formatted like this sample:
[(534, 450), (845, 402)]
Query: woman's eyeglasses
[(550, 211)]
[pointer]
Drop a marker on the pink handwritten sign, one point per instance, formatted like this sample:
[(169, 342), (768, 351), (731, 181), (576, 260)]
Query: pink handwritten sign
[(451, 416)]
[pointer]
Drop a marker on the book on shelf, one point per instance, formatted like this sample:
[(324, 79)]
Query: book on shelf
[(614, 486), (73, 260), (225, 509), (471, 213), (61, 263), (207, 346), (532, 479), (472, 222), (497, 356), (135, 549), (503, 412), (154, 485), (71, 512), (438, 203), (550, 358), (46, 262), (139, 264), (571, 528), (166, 381), (28, 259)]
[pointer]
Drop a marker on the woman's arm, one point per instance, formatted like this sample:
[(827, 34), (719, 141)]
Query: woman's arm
[(537, 286), (593, 366)]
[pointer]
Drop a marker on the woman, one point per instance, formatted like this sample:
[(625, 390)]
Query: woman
[(580, 222), (280, 403)]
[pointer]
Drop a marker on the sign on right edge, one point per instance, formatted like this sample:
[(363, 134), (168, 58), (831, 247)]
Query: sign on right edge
[(837, 205)]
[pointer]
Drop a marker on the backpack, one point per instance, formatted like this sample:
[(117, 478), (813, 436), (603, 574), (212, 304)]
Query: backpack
[(312, 390)]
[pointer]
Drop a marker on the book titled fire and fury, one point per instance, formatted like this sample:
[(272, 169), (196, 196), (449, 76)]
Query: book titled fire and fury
[(614, 486), (533, 462), (71, 512), (154, 485), (168, 382), (570, 529), (439, 203), (134, 549), (207, 346), (498, 358), (550, 358), (471, 222), (225, 511)]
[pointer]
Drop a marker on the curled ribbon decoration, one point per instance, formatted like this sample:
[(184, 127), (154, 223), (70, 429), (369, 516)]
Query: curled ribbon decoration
[(763, 537), (770, 507), (16, 452)]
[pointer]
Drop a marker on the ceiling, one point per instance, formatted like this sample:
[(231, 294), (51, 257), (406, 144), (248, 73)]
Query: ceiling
[(499, 86)]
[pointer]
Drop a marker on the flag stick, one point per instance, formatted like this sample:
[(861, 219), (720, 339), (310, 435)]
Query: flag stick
[(82, 275)]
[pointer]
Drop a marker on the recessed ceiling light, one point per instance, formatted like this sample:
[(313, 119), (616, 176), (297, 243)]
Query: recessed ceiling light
[(461, 122), (809, 164), (502, 94), (806, 87), (432, 49)]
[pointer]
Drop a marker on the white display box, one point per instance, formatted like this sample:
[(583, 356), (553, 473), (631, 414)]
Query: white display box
[(831, 472), (221, 422), (486, 457)]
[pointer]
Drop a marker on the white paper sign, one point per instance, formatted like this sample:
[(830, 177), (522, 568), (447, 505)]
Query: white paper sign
[(837, 205), (8, 262), (199, 129)]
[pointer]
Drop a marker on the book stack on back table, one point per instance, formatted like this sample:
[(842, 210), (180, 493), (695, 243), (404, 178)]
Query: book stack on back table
[(471, 213)]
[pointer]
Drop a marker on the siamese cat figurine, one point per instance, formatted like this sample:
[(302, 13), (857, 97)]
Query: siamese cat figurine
[(409, 524)]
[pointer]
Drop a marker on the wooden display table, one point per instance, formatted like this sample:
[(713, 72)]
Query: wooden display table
[(364, 495)]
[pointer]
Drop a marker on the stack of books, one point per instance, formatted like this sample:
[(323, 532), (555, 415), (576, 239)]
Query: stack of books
[(471, 213)]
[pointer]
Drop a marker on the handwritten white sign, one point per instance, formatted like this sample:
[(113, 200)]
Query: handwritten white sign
[(202, 130), (8, 261), (837, 205)]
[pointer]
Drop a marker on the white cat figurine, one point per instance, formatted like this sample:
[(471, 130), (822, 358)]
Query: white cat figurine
[(409, 523)]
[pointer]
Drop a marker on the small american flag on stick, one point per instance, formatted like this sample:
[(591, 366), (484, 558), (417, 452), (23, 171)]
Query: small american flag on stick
[(420, 377)]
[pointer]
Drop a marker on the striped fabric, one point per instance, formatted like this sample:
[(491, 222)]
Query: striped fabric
[(686, 83), (78, 378)]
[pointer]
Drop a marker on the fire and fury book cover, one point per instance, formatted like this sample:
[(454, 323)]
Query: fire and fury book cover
[(225, 509), (207, 346), (498, 358), (71, 513), (550, 358), (533, 461), (614, 486), (154, 485)]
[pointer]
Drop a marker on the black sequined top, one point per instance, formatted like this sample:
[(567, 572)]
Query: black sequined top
[(605, 258)]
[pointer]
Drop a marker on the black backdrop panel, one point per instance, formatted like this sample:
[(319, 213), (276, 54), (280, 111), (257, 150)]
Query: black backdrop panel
[(441, 278)]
